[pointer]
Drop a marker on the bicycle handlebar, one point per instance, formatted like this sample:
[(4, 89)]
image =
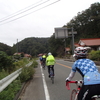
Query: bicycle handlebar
[(68, 86)]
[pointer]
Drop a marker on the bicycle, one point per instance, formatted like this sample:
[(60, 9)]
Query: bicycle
[(51, 74), (43, 65), (74, 92)]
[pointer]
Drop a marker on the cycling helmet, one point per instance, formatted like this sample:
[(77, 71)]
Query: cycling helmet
[(80, 52), (49, 53)]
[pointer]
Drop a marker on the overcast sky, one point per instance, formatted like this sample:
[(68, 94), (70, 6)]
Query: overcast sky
[(20, 19)]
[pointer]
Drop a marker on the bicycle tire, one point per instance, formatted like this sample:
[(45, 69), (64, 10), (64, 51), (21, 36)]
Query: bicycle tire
[(52, 78), (74, 95), (43, 66), (51, 75)]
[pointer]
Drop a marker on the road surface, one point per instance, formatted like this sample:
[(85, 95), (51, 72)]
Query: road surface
[(41, 87)]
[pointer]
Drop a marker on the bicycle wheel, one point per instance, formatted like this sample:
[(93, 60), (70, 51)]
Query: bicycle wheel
[(52, 76), (74, 95), (96, 97), (43, 66), (52, 79)]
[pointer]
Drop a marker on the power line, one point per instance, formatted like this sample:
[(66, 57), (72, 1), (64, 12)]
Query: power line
[(18, 11), (31, 12), (21, 11)]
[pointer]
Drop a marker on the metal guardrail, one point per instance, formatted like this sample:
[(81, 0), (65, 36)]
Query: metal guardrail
[(8, 79)]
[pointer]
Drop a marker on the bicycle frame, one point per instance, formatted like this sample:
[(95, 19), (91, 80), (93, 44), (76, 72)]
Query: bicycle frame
[(51, 74), (43, 65), (79, 84), (76, 91)]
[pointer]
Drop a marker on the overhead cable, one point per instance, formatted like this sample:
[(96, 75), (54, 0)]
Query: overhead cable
[(22, 11), (31, 12)]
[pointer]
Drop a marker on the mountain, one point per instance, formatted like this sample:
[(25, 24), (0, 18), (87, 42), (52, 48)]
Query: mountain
[(6, 48), (33, 46)]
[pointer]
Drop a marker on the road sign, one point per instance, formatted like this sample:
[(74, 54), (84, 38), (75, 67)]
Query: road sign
[(61, 33)]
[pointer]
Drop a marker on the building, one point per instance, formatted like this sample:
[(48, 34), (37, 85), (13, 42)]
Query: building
[(93, 43)]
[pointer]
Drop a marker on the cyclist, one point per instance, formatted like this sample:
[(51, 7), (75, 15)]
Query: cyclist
[(43, 60), (40, 58), (89, 72), (50, 61)]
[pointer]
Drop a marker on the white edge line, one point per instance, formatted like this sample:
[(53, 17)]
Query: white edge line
[(45, 85)]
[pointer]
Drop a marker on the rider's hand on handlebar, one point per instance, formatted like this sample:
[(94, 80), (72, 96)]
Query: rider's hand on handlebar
[(67, 80)]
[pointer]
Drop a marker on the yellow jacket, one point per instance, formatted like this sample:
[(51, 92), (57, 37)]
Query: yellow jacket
[(50, 60)]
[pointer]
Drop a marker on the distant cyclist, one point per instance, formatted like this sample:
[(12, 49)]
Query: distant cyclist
[(50, 61), (89, 72), (40, 58), (43, 60)]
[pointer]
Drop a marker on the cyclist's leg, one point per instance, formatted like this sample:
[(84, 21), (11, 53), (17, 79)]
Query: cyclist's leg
[(53, 69), (83, 92), (93, 90), (87, 91), (49, 70), (43, 64)]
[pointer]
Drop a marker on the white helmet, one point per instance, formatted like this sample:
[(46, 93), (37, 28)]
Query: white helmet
[(49, 53), (80, 52)]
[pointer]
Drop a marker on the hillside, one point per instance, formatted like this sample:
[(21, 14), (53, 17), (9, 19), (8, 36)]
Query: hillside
[(86, 23), (32, 46), (6, 48)]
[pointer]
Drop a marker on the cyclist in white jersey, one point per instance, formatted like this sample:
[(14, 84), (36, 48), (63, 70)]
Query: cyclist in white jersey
[(89, 72)]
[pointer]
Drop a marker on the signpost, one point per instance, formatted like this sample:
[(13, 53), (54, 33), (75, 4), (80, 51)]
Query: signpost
[(64, 33), (61, 33)]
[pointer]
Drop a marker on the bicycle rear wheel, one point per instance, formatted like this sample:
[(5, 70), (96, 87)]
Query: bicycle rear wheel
[(43, 66), (74, 95), (52, 79)]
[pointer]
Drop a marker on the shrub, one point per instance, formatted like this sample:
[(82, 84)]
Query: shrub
[(6, 62), (10, 92), (3, 74), (94, 55), (21, 63), (26, 74), (34, 64)]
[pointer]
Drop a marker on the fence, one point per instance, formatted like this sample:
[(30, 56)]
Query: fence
[(8, 79)]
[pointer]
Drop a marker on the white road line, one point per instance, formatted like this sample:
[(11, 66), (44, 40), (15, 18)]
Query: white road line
[(45, 85)]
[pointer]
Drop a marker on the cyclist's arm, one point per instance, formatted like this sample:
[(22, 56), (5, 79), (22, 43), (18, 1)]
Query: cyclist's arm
[(71, 75)]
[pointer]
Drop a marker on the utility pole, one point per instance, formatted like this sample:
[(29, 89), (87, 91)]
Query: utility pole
[(17, 45), (73, 41)]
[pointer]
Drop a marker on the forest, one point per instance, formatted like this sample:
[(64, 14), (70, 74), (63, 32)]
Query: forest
[(86, 23)]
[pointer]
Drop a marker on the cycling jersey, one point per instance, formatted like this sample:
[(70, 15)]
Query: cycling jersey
[(40, 58), (44, 58), (50, 60), (88, 70)]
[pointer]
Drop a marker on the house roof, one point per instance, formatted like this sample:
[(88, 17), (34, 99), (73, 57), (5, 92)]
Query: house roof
[(17, 53), (67, 49), (27, 55), (90, 42), (76, 45)]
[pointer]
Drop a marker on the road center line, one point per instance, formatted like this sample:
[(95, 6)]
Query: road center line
[(45, 85), (64, 65)]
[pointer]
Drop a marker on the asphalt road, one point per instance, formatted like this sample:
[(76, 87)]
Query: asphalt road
[(41, 87)]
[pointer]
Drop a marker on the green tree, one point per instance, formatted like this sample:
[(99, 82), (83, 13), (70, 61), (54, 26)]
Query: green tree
[(6, 62)]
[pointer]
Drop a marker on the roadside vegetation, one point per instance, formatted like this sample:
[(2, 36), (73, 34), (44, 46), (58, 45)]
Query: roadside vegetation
[(95, 55), (7, 66)]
